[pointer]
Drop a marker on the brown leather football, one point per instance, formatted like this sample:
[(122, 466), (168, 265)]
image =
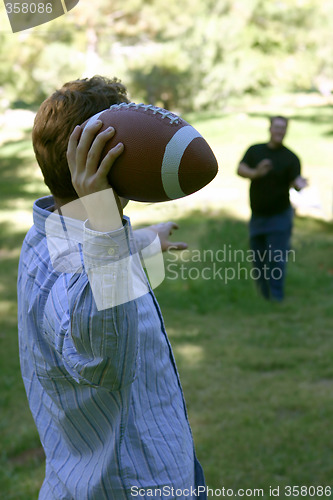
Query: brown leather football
[(164, 157)]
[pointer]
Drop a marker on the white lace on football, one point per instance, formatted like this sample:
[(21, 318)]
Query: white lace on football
[(148, 107)]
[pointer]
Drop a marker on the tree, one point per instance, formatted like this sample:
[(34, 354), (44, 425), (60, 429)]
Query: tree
[(193, 54)]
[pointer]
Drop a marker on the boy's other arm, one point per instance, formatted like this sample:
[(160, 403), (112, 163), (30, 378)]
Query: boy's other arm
[(164, 230)]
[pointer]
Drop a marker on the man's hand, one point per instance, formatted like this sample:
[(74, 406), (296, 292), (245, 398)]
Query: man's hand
[(299, 183), (164, 231), (263, 167), (89, 175)]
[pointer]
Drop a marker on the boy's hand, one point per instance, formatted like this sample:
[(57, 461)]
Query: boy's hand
[(84, 150), (89, 175), (164, 231)]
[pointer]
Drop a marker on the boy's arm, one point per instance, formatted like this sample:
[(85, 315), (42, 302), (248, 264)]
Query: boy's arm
[(98, 345), (144, 236)]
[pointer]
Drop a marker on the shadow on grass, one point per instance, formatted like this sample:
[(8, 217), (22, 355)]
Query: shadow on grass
[(311, 225), (10, 245), (16, 168), (319, 115)]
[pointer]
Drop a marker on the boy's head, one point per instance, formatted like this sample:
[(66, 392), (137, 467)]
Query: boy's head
[(57, 117)]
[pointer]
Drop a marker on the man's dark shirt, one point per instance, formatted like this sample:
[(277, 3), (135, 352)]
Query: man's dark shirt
[(269, 195)]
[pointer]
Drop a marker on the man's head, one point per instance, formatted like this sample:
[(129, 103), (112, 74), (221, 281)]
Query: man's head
[(278, 130), (57, 117)]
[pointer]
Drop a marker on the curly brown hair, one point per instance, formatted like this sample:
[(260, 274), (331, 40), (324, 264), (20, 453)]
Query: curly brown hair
[(57, 117)]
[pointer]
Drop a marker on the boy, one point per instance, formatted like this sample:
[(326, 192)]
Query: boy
[(101, 378)]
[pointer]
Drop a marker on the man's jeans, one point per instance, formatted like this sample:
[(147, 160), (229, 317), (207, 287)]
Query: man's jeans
[(270, 242)]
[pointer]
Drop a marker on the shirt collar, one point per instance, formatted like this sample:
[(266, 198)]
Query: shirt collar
[(42, 210)]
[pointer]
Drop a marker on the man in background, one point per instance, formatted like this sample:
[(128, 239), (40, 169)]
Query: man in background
[(273, 169)]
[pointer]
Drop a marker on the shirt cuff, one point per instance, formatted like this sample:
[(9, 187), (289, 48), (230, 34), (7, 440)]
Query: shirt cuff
[(100, 249), (113, 267)]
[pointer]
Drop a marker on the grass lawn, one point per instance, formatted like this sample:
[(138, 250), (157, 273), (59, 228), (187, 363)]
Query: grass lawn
[(257, 377)]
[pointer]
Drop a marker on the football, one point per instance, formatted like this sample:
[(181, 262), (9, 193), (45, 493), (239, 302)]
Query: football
[(164, 158)]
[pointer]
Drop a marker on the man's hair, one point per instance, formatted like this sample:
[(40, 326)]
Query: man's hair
[(278, 117), (56, 119)]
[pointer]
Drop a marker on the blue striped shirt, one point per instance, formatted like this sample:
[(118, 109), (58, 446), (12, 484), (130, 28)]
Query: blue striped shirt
[(102, 385)]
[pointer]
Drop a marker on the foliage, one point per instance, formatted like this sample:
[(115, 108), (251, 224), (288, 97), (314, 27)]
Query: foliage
[(193, 54)]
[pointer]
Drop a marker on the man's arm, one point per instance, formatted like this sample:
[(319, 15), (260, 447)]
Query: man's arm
[(261, 169), (297, 181)]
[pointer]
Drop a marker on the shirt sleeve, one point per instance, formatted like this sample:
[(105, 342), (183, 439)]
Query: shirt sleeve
[(295, 169), (248, 158), (148, 244), (95, 334), (143, 238)]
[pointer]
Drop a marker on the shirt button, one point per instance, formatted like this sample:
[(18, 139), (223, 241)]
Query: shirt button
[(111, 251)]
